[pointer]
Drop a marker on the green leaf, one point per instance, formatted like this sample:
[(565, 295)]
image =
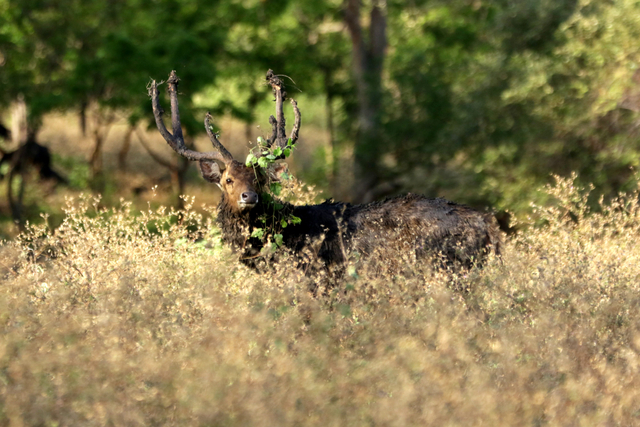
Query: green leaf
[(294, 219), (289, 142), (261, 141), (284, 223), (277, 239), (277, 151), (251, 159), (278, 206), (263, 162), (276, 188), (271, 157), (258, 232), (285, 176), (286, 152)]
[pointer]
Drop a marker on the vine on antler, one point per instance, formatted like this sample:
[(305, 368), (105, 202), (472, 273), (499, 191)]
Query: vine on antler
[(266, 154), (278, 146)]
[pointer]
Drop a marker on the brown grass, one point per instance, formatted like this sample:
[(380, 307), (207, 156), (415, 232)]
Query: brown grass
[(123, 318)]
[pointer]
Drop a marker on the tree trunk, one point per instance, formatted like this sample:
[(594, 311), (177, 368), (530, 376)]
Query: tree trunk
[(103, 122), (124, 150), (179, 175), (19, 122), (179, 178), (17, 171), (333, 149), (368, 60), (83, 117), (96, 156)]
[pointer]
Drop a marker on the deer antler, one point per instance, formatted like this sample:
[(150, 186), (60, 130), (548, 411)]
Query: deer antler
[(176, 141), (278, 135)]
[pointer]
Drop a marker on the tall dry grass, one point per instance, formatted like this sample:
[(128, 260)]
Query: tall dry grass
[(119, 318)]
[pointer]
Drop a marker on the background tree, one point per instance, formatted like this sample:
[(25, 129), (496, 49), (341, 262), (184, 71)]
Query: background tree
[(428, 96), (369, 48)]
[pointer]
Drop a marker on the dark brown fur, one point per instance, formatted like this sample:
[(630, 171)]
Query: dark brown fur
[(419, 227)]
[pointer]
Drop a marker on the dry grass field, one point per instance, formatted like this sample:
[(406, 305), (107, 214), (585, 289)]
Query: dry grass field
[(125, 317)]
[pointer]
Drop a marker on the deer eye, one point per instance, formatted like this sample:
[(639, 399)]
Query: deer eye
[(229, 180)]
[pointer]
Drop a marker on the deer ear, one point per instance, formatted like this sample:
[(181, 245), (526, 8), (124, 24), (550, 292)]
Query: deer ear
[(276, 170), (210, 171)]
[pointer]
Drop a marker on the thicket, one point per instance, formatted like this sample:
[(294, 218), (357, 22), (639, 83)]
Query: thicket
[(132, 318)]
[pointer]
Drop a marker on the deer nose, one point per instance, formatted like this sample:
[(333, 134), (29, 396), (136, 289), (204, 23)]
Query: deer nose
[(249, 197)]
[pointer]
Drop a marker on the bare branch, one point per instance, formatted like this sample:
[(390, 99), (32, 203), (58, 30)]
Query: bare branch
[(176, 141), (377, 32)]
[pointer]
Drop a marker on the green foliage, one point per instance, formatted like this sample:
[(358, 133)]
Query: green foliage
[(66, 55), (493, 96), (277, 218), (76, 171), (496, 96)]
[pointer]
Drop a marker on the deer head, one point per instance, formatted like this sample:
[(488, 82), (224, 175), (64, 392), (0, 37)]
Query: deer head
[(240, 184)]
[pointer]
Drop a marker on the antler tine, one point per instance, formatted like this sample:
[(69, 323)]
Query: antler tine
[(274, 132), (158, 112), (279, 126), (175, 111), (279, 136), (176, 141), (296, 124), (214, 139)]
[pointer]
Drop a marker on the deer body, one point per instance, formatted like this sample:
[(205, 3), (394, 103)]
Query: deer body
[(411, 225), (418, 226)]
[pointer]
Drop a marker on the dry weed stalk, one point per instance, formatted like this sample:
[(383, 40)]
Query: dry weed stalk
[(126, 318)]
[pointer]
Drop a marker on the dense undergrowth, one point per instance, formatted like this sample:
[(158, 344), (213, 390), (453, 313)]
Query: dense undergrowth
[(123, 319)]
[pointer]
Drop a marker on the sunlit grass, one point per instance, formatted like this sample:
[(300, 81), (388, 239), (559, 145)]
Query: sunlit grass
[(122, 317)]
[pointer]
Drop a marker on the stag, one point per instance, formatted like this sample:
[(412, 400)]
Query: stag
[(412, 225)]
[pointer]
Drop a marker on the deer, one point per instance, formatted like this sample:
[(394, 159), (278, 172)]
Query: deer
[(330, 233)]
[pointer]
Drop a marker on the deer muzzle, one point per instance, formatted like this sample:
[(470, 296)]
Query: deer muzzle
[(248, 200)]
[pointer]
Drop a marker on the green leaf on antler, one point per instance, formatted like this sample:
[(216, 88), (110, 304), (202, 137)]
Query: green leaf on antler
[(251, 160), (263, 162)]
